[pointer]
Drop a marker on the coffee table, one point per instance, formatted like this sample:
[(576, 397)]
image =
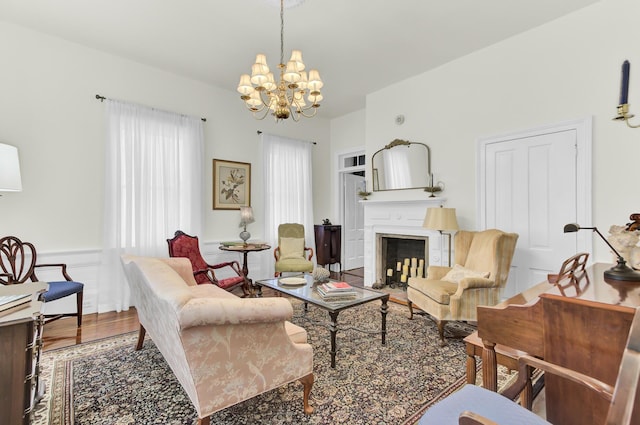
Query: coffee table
[(308, 293)]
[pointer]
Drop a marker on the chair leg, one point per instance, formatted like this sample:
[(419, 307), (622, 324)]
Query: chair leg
[(79, 297), (141, 333), (441, 324), (410, 305), (307, 382), (204, 421)]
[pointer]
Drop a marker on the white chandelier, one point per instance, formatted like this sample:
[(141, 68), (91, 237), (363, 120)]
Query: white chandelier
[(286, 98)]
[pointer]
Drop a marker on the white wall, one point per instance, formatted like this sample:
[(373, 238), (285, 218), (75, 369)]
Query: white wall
[(49, 111), (567, 69)]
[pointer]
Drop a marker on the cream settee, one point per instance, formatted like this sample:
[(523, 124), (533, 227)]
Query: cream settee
[(222, 349)]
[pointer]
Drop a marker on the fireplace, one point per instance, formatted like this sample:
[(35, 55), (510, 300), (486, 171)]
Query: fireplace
[(401, 220), (400, 257)]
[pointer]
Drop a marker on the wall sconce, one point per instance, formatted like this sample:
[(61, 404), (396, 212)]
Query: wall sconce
[(10, 180), (623, 106), (246, 217), (618, 272)]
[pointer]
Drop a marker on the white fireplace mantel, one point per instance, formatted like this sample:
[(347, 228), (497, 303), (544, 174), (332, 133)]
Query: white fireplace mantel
[(400, 218)]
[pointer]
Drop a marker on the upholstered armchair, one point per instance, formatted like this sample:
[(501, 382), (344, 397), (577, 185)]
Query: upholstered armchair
[(18, 264), (187, 246), (482, 262), (291, 249)]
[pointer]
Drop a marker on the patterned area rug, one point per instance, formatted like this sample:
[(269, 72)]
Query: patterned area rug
[(107, 382)]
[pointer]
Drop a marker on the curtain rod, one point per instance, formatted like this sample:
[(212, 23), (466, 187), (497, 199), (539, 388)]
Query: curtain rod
[(308, 141), (102, 99)]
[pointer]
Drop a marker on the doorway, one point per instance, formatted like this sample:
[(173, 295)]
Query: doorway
[(351, 180), (533, 183)]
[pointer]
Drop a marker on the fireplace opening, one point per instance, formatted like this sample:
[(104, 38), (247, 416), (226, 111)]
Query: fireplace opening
[(400, 257)]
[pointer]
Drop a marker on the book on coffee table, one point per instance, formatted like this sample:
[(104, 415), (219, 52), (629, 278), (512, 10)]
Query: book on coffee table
[(336, 291), (337, 287)]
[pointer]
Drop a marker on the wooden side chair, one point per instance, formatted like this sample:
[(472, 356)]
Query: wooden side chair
[(290, 252), (183, 245), (474, 405), (18, 262)]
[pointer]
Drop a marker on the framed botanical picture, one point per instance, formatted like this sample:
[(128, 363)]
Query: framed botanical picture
[(231, 185)]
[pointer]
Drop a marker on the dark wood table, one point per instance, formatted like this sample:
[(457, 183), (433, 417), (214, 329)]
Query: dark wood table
[(245, 250), (309, 294)]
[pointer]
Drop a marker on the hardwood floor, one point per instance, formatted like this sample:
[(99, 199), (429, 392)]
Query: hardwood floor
[(64, 333)]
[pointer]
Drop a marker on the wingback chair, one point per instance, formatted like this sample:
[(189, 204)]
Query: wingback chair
[(482, 262), (183, 245), (18, 262), (291, 249)]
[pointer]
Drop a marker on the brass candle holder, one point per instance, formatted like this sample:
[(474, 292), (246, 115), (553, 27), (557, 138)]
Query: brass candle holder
[(439, 187), (623, 114)]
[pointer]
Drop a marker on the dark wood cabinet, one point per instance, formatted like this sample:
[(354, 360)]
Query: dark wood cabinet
[(328, 244), (20, 347)]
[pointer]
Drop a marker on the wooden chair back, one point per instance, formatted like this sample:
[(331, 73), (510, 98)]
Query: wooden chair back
[(17, 261), (625, 403), (184, 245)]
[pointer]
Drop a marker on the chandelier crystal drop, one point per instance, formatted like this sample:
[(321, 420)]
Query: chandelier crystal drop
[(295, 94)]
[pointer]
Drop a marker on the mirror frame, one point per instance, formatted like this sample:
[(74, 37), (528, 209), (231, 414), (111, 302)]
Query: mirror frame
[(394, 143)]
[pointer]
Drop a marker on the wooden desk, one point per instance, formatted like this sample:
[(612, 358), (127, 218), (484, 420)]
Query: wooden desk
[(20, 346), (585, 330)]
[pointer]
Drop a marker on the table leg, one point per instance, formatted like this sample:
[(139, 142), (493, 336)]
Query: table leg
[(248, 283), (333, 329), (489, 366), (383, 310)]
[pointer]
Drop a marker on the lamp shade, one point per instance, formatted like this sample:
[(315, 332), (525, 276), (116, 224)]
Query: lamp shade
[(246, 216), (441, 219), (10, 180)]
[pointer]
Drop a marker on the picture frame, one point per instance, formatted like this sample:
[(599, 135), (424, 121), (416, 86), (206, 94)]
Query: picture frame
[(231, 184)]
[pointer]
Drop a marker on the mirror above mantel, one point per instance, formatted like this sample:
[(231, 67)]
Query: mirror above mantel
[(401, 165)]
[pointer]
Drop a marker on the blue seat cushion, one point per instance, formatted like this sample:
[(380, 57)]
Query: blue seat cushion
[(61, 289), (479, 400)]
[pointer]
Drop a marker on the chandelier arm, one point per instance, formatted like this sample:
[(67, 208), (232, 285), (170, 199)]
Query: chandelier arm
[(302, 112), (263, 110)]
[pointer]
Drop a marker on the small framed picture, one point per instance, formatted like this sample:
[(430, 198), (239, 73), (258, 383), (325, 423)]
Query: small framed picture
[(231, 185)]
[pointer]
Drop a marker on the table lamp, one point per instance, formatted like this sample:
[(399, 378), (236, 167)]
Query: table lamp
[(618, 272), (10, 180), (246, 217), (441, 219)]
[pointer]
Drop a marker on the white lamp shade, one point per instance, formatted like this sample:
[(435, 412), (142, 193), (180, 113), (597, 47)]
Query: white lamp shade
[(246, 216), (441, 219), (10, 180)]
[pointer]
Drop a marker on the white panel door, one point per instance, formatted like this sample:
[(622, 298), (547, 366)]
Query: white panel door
[(353, 228), (530, 189)]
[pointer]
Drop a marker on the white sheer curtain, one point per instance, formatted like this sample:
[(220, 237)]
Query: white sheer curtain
[(153, 187), (288, 196)]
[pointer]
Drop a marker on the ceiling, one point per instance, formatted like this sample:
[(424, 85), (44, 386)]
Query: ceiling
[(359, 46)]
